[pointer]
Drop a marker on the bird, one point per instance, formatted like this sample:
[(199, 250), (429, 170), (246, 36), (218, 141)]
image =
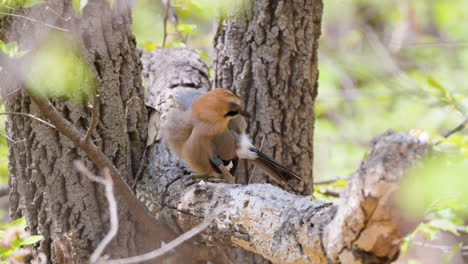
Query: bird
[(207, 130)]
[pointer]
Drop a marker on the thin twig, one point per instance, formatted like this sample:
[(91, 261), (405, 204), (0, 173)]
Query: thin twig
[(34, 20), (113, 214), (460, 127), (324, 182), (166, 17), (167, 247), (31, 116), (332, 193), (94, 117)]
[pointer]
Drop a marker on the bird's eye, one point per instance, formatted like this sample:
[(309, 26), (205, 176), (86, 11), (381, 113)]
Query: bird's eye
[(231, 113)]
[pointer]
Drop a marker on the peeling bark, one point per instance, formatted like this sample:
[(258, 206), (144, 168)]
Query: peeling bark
[(284, 227)]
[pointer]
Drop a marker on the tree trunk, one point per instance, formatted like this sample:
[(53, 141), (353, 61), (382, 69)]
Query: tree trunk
[(267, 54), (44, 187)]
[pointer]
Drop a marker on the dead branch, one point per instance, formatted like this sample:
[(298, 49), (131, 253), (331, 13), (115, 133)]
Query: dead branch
[(34, 20), (166, 247), (460, 127), (31, 116), (287, 228), (114, 217)]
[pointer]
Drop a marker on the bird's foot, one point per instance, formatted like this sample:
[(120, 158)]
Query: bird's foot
[(196, 178)]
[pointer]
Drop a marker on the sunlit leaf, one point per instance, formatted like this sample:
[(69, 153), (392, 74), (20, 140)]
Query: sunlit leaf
[(6, 252), (446, 225), (446, 257), (78, 5), (31, 240), (175, 43), (29, 3), (188, 29), (149, 46), (16, 243), (407, 241), (20, 222), (428, 231)]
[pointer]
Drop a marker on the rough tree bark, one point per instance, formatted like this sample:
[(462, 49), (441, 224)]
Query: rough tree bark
[(280, 226), (44, 187), (266, 52)]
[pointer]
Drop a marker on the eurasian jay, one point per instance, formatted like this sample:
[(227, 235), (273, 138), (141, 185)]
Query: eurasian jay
[(208, 131)]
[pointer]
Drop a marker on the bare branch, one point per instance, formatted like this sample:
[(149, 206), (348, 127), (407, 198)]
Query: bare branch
[(167, 5), (34, 20), (113, 214), (31, 116), (460, 127), (332, 180), (167, 247)]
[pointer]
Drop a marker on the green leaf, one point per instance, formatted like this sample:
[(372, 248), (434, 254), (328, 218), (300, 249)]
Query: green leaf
[(414, 261), (78, 5), (16, 243), (5, 254), (444, 224), (29, 3), (31, 240), (2, 46), (446, 257), (149, 45), (21, 222), (175, 43), (428, 231), (188, 29), (435, 84)]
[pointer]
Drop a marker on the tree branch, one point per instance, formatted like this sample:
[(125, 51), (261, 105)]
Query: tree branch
[(283, 227), (287, 228), (114, 216)]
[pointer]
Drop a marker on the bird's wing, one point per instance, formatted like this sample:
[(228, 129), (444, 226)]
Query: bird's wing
[(162, 102)]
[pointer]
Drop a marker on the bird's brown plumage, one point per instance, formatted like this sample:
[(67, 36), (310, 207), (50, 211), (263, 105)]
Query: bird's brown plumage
[(214, 126)]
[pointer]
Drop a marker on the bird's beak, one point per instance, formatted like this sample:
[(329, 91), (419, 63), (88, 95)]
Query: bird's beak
[(245, 114)]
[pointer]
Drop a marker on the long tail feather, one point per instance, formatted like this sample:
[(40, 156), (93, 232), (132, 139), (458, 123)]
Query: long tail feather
[(274, 169)]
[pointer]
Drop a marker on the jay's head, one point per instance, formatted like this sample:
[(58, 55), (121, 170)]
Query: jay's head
[(217, 106)]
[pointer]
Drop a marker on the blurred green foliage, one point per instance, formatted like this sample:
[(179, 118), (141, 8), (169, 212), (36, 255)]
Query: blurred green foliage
[(15, 242), (58, 69), (386, 65)]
